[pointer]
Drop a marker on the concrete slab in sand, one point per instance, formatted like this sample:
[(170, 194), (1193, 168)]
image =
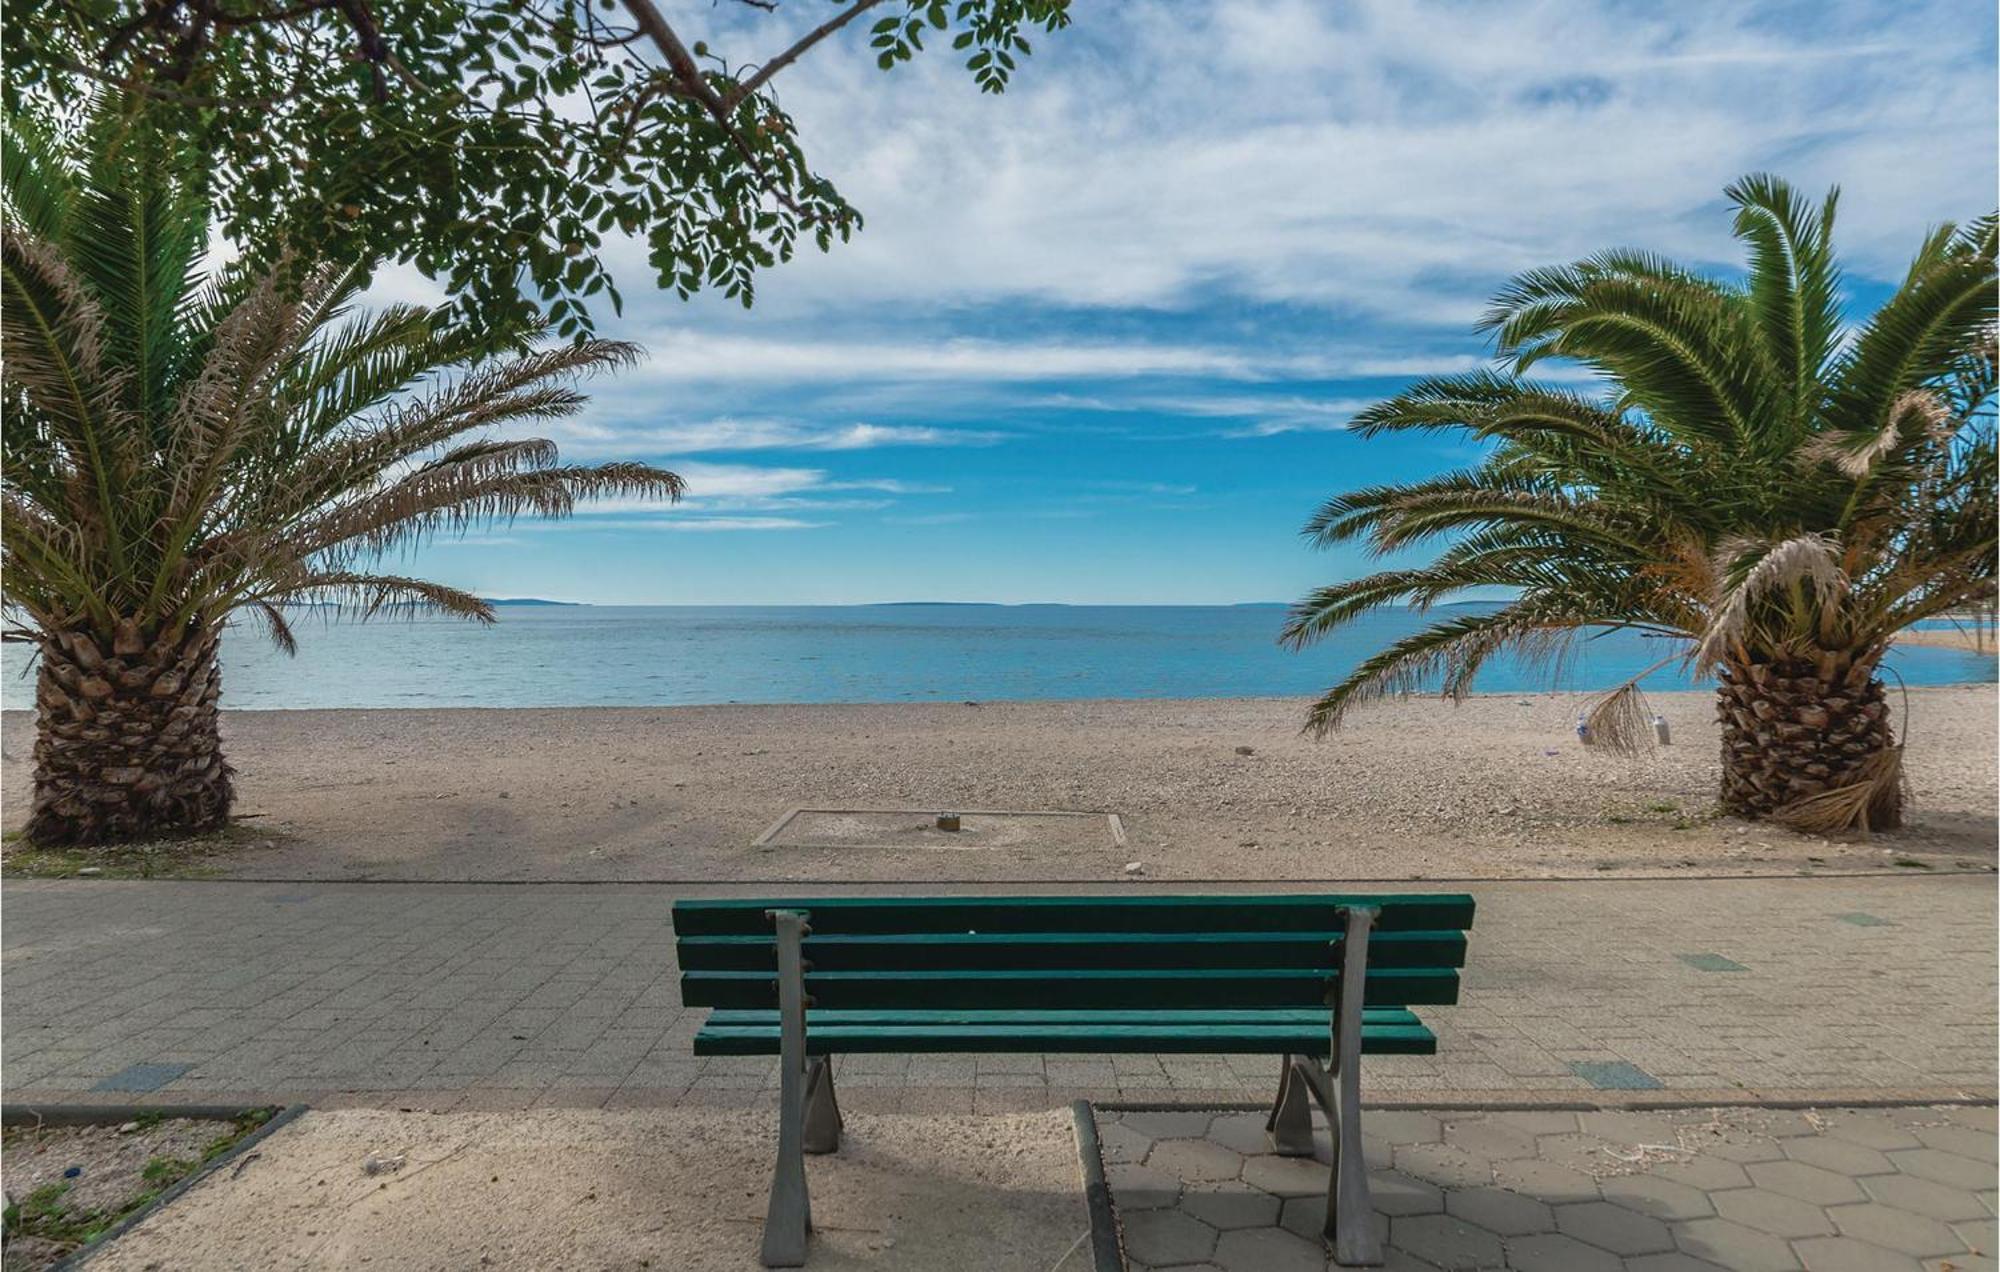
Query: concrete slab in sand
[(919, 829), (680, 1188)]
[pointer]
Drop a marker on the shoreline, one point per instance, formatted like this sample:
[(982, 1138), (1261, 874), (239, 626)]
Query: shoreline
[(1217, 788)]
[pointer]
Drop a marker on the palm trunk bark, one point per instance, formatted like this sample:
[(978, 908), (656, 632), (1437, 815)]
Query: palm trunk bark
[(126, 744), (1794, 729)]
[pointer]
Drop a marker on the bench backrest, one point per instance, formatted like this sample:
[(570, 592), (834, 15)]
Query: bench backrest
[(1073, 952)]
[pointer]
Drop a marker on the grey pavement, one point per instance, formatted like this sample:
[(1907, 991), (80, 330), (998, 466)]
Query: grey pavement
[(498, 996), (1688, 1190)]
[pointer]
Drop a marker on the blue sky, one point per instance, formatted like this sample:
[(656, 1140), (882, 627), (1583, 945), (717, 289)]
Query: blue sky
[(1100, 336)]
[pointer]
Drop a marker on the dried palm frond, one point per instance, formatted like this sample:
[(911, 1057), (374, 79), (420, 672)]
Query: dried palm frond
[(1855, 454), (1808, 558), (1620, 720), (1879, 779)]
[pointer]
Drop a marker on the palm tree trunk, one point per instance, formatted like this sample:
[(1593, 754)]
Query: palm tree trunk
[(126, 745), (1796, 730)]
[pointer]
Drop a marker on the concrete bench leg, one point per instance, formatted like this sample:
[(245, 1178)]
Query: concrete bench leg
[(1289, 1128), (823, 1120), (788, 1221), (1350, 1209)]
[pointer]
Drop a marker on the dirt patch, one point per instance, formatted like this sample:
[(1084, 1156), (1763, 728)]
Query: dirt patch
[(193, 857), (662, 1189), (68, 1185)]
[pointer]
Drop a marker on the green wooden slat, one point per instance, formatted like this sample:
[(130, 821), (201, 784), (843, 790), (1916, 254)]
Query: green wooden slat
[(1302, 1017), (1179, 1039), (1082, 989), (991, 951), (1280, 913)]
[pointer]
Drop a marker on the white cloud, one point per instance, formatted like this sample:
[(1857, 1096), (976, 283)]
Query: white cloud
[(607, 432)]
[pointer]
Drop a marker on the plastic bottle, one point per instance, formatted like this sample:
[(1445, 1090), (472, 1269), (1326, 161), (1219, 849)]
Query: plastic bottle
[(1662, 732)]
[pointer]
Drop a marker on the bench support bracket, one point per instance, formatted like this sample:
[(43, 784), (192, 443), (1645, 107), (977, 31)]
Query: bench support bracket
[(1290, 1125), (788, 1221), (823, 1120)]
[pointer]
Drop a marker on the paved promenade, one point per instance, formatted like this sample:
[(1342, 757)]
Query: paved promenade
[(496, 996)]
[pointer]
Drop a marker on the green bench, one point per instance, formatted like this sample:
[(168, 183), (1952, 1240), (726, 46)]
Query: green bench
[(1307, 978)]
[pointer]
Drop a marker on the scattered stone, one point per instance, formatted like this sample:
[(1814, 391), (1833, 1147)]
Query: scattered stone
[(1246, 750), (91, 870), (377, 1164), (1135, 867)]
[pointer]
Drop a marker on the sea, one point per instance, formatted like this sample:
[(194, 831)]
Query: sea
[(547, 655)]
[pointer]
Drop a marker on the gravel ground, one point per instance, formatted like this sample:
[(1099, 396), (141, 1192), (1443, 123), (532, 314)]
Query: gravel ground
[(663, 1189), (1497, 786)]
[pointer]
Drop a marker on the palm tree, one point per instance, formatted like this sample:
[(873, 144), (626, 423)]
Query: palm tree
[(1774, 493), (184, 444)]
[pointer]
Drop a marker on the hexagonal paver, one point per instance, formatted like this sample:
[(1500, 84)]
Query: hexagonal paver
[(1451, 1244), (1870, 1127), (1913, 1234), (1306, 1216), (1981, 1234), (1120, 1143), (1233, 1204), (1807, 1183), (1492, 1140), (1845, 1254), (1842, 1157), (1537, 1121), (1944, 1168), (1622, 1127), (1735, 1247), (1554, 1252), (1243, 1132), (1169, 1123), (1444, 1165), (1613, 1228), (1142, 1187), (1775, 1213), (1656, 1196), (1925, 1197), (1397, 1194), (1166, 1237), (1269, 1250), (1979, 1145), (1675, 1262), (1403, 1126), (1498, 1211), (1192, 1160), (1287, 1176), (1710, 1174), (1546, 1181)]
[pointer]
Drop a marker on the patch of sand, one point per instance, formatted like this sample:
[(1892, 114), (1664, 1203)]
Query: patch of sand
[(590, 1189), (1494, 787)]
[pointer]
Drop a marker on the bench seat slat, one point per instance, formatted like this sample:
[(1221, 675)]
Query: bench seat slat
[(971, 951), (1303, 1017), (1191, 988), (1201, 1039), (1077, 913)]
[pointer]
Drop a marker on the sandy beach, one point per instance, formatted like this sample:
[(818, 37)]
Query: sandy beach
[(1495, 787)]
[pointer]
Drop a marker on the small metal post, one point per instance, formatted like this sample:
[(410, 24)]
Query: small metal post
[(788, 1221), (1350, 1210)]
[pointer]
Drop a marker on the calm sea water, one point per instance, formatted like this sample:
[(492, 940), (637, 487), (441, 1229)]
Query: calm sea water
[(665, 655)]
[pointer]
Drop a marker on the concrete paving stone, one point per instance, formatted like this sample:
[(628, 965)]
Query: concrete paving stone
[(1538, 1122), (1306, 1217), (1979, 1235), (1918, 1236), (1403, 1126), (1270, 1250), (1449, 1243), (1546, 1181), (1842, 1157), (1734, 1246), (1807, 1183), (1287, 1176), (1483, 1137), (1979, 1145), (1613, 1227), (1118, 1142), (1630, 1128), (1678, 1261), (1443, 1165), (1963, 1263), (1941, 1167), (1142, 1187), (1229, 1205), (1710, 1174), (1192, 1160), (1978, 1117), (1925, 1197), (1169, 1124), (1657, 1196), (1166, 1237), (1504, 1213), (1845, 1254), (1555, 1252), (1775, 1213), (1397, 1194)]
